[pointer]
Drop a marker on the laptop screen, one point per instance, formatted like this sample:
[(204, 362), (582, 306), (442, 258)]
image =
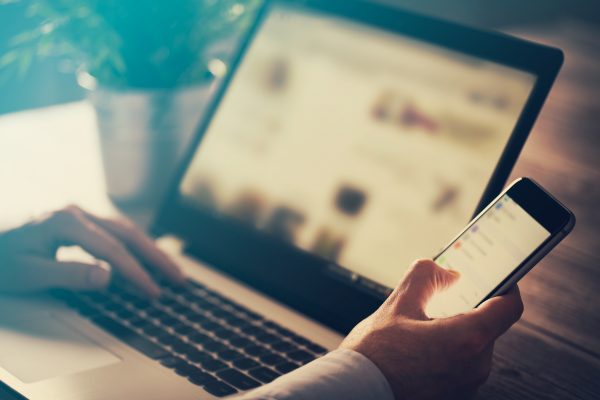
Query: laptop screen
[(364, 147)]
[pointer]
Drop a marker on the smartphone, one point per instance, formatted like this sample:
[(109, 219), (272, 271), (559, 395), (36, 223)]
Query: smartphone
[(500, 245)]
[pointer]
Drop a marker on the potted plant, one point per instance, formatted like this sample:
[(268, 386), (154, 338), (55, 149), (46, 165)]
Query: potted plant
[(147, 66)]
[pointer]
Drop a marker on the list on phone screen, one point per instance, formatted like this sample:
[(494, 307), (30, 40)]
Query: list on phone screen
[(484, 255)]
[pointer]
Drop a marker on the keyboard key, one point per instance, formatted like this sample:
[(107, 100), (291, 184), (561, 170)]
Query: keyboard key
[(253, 330), (267, 338), (196, 317), (156, 313), (183, 329), (167, 320), (182, 347), (286, 367), (225, 333), (204, 306), (234, 321), (125, 313), (257, 350), (271, 325), (284, 347), (285, 332), (171, 361), (201, 378), (315, 348), (124, 297), (241, 342), (167, 339), (131, 337), (272, 359), (141, 304), (245, 363), (210, 326), (199, 356), (153, 330), (178, 309), (238, 379), (184, 368), (168, 301), (137, 321), (251, 315), (213, 364), (220, 313), (219, 388), (229, 355), (214, 346), (199, 338), (264, 374), (113, 307), (300, 355), (300, 340)]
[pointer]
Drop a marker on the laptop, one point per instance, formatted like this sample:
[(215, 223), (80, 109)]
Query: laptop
[(346, 140)]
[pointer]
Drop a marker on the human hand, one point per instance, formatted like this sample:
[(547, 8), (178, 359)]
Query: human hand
[(28, 254), (425, 358)]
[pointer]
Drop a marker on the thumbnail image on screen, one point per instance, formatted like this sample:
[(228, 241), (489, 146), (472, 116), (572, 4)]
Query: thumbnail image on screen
[(486, 254), (367, 148)]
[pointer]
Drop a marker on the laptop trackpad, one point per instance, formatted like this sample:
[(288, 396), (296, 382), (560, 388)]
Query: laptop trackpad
[(38, 347)]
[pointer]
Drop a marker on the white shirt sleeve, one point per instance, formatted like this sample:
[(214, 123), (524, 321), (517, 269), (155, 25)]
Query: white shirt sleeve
[(341, 374)]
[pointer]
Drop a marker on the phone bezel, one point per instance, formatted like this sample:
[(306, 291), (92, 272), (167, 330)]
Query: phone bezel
[(545, 209), (540, 204)]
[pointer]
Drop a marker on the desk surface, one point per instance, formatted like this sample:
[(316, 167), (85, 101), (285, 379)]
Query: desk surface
[(49, 158)]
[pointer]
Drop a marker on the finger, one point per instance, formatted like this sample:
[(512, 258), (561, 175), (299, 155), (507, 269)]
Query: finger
[(422, 280), (35, 273), (143, 247), (493, 317), (71, 227)]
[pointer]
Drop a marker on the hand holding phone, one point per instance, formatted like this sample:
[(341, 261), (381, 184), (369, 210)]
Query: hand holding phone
[(500, 245)]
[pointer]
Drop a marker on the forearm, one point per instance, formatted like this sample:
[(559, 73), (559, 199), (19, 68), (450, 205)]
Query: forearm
[(343, 374)]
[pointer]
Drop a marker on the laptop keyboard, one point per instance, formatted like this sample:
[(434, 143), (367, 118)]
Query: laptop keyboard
[(199, 334)]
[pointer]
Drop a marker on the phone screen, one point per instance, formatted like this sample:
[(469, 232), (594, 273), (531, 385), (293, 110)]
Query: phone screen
[(485, 254)]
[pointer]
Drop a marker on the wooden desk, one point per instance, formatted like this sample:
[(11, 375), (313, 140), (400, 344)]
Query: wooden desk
[(49, 158)]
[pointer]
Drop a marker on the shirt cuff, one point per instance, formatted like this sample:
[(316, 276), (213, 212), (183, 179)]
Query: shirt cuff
[(343, 373)]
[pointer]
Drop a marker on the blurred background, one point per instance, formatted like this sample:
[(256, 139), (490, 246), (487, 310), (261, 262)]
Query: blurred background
[(559, 330), (51, 81)]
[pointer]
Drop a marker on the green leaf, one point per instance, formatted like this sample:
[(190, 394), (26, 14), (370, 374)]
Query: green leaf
[(9, 58)]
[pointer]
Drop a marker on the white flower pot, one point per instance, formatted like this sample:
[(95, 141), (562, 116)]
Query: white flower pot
[(143, 135)]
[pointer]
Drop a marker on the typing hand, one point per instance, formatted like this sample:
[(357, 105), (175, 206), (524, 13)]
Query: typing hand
[(28, 254), (426, 358)]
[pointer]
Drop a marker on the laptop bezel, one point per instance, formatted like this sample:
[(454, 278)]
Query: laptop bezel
[(296, 277)]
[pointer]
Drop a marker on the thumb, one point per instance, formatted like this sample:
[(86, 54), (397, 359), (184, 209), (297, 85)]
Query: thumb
[(422, 280), (39, 274)]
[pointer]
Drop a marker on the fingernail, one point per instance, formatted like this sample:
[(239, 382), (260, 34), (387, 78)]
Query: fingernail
[(99, 277)]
